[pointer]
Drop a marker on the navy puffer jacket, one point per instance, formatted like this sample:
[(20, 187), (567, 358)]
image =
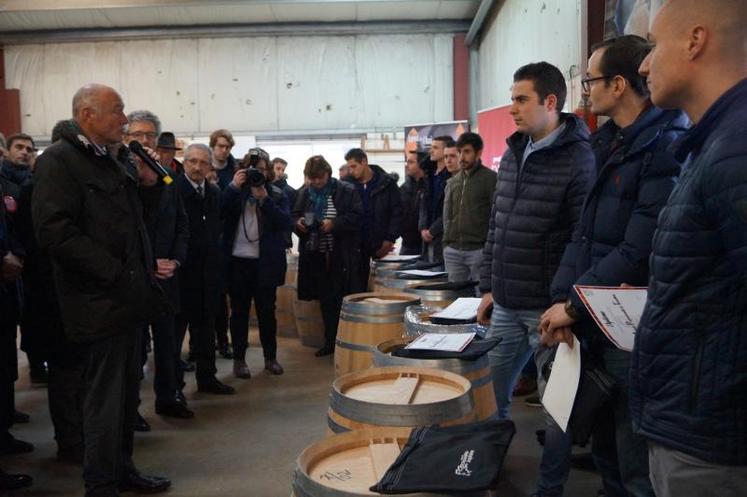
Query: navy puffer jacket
[(612, 241), (534, 213), (689, 367)]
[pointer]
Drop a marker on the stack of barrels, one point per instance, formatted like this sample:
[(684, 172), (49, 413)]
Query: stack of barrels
[(377, 398)]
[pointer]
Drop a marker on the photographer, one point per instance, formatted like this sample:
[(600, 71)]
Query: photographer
[(328, 215), (256, 217)]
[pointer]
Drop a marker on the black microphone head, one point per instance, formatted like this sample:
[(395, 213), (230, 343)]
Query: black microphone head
[(135, 146)]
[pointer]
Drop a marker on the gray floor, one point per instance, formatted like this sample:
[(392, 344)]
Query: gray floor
[(244, 445)]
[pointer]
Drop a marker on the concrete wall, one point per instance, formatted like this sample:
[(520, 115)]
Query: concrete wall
[(518, 32)]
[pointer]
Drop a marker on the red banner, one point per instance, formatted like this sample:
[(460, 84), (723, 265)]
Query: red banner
[(495, 126)]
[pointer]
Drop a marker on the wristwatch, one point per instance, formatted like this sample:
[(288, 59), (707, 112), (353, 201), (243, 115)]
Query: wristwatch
[(571, 311)]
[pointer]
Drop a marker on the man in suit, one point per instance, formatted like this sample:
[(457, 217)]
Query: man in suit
[(200, 276)]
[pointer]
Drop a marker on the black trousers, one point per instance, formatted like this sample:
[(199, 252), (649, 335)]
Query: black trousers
[(202, 343), (330, 293), (243, 289), (9, 314), (112, 379), (165, 357), (66, 393), (221, 321)]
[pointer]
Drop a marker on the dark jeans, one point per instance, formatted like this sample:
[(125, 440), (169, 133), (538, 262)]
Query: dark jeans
[(202, 340), (243, 288), (112, 378), (8, 357), (165, 357), (221, 321), (620, 455), (330, 294)]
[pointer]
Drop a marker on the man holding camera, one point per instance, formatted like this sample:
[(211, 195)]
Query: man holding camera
[(256, 217)]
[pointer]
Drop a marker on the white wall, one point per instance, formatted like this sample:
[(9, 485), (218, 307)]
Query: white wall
[(255, 84), (522, 31)]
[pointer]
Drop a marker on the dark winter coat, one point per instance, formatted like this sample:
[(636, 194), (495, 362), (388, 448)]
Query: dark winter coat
[(17, 175), (534, 213), (225, 175), (433, 221), (385, 210), (274, 221), (200, 279), (88, 218), (292, 195), (346, 235), (412, 199), (168, 230), (689, 367), (612, 240), (468, 199)]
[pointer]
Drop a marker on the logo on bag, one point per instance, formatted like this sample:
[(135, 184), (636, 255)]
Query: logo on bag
[(463, 468)]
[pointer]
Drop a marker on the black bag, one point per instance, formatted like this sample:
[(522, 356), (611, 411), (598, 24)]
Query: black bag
[(595, 389), (457, 460)]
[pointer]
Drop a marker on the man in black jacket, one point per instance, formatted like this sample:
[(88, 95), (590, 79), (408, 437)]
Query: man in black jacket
[(281, 181), (412, 198), (200, 275), (431, 218), (543, 179), (381, 223), (88, 217), (612, 241), (327, 217), (17, 167)]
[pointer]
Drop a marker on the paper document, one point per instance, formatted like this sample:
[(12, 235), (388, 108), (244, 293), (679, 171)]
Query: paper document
[(560, 392), (422, 273), (398, 258), (462, 309), (446, 342), (617, 311)]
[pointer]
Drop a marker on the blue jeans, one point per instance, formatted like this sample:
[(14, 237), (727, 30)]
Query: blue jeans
[(519, 341), (620, 455), (463, 265)]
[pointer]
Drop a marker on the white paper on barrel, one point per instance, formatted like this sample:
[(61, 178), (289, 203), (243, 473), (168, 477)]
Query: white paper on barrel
[(399, 258), (422, 273), (462, 309), (616, 310), (446, 342), (560, 392)]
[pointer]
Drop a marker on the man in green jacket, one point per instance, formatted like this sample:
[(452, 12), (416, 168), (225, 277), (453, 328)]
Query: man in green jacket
[(467, 205)]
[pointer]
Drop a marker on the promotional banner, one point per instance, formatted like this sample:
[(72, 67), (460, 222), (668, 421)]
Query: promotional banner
[(494, 126), (418, 137)]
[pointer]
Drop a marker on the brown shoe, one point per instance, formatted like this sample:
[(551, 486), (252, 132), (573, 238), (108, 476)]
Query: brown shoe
[(241, 370), (273, 366)]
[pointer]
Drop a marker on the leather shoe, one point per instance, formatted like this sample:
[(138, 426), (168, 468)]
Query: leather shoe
[(324, 351), (241, 370), (141, 424), (174, 410), (14, 482), (187, 367), (143, 484), (20, 417), (216, 387), (273, 366), (11, 445), (225, 351), (72, 455)]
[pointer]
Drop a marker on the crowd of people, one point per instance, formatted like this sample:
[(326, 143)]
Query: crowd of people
[(106, 257)]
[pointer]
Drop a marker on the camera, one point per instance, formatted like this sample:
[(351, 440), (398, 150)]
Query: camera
[(254, 177)]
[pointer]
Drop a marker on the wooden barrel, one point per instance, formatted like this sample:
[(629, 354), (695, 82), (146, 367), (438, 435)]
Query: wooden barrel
[(441, 294), (477, 372), (366, 320), (399, 396), (309, 324), (347, 465), (383, 267)]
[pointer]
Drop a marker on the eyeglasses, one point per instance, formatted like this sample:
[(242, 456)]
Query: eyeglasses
[(586, 83), (141, 134)]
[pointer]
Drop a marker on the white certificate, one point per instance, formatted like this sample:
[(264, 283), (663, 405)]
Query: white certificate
[(616, 310), (399, 258), (422, 273), (462, 309), (447, 342), (560, 392)]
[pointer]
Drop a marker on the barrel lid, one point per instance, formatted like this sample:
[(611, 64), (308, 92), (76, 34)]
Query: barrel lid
[(374, 303)]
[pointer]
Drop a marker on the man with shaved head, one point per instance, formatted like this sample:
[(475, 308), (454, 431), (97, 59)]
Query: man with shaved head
[(88, 218), (689, 370)]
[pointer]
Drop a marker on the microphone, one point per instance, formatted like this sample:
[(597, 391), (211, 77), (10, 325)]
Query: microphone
[(157, 168)]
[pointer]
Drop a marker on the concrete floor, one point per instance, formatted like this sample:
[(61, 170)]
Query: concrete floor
[(243, 445)]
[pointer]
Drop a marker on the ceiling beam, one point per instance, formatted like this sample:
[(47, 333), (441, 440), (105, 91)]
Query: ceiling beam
[(235, 31), (478, 21)]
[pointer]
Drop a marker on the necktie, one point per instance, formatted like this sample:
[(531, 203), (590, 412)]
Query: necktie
[(200, 192)]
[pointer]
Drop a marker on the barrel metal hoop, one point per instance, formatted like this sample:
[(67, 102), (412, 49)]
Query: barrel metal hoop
[(385, 319), (384, 359), (373, 309), (401, 415), (353, 346), (336, 428), (482, 381)]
